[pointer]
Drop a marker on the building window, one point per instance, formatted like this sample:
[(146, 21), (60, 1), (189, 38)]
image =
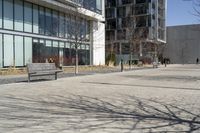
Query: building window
[(82, 55), (61, 48), (121, 34), (90, 4), (55, 23), (19, 51), (62, 25), (41, 20), (18, 11), (55, 53), (73, 53), (48, 51), (125, 48), (99, 5), (28, 49), (82, 29), (67, 26), (27, 17), (88, 31), (61, 44), (48, 20), (35, 19), (87, 48), (39, 51), (110, 3), (121, 12), (1, 9), (8, 14), (1, 51), (8, 50), (73, 27), (67, 55)]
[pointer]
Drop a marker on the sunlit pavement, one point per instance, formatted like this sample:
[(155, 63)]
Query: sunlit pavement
[(143, 101)]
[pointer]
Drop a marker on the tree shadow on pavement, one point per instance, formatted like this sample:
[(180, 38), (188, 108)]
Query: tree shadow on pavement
[(75, 113), (142, 85), (176, 78)]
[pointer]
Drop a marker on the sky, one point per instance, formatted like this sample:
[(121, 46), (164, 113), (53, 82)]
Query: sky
[(181, 12)]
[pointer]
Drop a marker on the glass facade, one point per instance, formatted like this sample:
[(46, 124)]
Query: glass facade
[(26, 17), (93, 5), (1, 51), (19, 53), (1, 13), (8, 14), (18, 13), (48, 20), (28, 49), (35, 19), (8, 50), (62, 25)]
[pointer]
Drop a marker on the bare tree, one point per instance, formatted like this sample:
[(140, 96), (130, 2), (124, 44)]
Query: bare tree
[(75, 33), (196, 7), (76, 30), (77, 27), (159, 51), (136, 33), (110, 49)]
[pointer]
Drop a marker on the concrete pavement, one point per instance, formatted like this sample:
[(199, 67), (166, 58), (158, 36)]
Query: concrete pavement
[(8, 79), (143, 101)]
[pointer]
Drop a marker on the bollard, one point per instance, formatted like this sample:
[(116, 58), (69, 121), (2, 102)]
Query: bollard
[(122, 65)]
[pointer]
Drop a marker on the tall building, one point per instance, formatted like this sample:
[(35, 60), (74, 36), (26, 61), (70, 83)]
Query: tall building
[(46, 31), (134, 27)]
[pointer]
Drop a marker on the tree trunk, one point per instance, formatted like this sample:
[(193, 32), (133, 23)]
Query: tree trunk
[(76, 62)]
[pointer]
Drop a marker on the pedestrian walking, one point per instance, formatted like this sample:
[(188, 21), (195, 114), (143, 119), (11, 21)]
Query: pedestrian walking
[(197, 61)]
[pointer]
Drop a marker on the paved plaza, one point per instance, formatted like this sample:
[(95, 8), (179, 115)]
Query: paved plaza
[(144, 101)]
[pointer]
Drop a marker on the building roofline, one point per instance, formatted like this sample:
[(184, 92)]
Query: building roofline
[(184, 25)]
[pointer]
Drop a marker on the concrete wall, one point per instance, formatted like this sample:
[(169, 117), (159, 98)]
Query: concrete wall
[(98, 47), (183, 44)]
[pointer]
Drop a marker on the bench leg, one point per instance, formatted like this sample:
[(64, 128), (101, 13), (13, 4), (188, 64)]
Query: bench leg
[(56, 76), (29, 78)]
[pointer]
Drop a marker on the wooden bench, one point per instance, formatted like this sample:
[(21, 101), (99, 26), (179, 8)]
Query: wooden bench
[(42, 69)]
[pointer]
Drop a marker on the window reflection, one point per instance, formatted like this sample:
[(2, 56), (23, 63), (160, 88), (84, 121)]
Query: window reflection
[(27, 17), (41, 20), (8, 14), (32, 18)]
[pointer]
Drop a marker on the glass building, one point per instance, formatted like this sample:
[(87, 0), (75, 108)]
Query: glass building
[(143, 21), (38, 31)]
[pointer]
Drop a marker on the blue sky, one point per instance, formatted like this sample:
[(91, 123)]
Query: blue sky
[(181, 12)]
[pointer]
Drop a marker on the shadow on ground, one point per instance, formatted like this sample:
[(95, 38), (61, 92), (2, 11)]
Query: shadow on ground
[(143, 85), (88, 114), (178, 78)]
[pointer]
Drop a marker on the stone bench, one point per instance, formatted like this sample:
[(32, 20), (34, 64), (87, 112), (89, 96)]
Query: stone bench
[(42, 69)]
